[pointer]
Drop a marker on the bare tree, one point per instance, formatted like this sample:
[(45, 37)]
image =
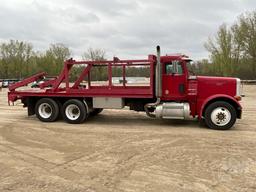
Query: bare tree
[(94, 55), (100, 72)]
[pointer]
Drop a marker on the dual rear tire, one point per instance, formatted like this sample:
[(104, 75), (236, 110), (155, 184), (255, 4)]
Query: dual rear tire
[(73, 111), (47, 110)]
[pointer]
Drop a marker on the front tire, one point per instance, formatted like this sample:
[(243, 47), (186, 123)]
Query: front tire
[(74, 111), (220, 115), (47, 110)]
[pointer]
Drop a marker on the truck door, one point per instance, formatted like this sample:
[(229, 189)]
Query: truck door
[(174, 81)]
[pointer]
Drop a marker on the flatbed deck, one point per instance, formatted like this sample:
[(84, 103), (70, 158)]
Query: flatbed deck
[(62, 87), (127, 92)]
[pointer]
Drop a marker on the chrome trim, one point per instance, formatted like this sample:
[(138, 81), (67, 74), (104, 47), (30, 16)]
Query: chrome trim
[(238, 87), (158, 73), (173, 110), (221, 116)]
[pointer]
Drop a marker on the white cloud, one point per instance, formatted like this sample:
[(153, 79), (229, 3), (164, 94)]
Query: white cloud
[(125, 28)]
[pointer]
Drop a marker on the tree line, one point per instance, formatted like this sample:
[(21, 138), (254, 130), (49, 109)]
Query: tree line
[(232, 50), (18, 60)]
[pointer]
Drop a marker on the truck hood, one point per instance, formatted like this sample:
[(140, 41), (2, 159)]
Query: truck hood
[(208, 86)]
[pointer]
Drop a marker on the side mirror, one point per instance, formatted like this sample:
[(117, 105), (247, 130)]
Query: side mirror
[(175, 67)]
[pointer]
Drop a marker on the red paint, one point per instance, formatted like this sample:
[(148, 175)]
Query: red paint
[(172, 83), (26, 81)]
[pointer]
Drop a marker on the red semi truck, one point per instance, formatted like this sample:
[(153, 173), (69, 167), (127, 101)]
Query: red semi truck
[(172, 93)]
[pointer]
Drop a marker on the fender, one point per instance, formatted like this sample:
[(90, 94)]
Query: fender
[(217, 97)]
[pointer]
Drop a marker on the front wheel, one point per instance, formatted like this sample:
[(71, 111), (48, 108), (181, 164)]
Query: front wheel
[(74, 111), (220, 115)]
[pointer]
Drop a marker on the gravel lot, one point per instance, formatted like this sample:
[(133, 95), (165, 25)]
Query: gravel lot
[(126, 151)]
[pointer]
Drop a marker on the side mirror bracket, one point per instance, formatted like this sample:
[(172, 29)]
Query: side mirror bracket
[(175, 67)]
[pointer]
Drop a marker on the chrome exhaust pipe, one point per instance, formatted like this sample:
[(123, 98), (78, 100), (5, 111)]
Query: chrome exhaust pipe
[(158, 75), (158, 84)]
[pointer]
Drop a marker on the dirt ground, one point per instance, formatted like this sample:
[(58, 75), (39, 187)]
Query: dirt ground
[(126, 151)]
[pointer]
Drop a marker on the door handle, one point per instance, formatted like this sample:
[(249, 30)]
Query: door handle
[(182, 88)]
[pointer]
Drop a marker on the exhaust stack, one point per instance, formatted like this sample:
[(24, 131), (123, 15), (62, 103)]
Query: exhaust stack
[(158, 85), (158, 75)]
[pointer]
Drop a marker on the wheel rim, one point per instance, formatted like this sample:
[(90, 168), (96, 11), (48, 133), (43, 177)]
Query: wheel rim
[(221, 116), (72, 112), (45, 110)]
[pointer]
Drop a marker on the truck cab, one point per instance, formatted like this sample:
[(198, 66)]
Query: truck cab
[(174, 78), (213, 100)]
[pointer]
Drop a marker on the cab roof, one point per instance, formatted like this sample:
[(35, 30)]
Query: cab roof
[(177, 56)]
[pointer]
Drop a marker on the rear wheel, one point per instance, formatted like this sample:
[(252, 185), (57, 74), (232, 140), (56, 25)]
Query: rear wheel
[(96, 111), (220, 115), (74, 111), (47, 110)]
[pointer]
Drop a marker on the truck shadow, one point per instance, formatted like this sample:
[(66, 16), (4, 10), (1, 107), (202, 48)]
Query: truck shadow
[(141, 120)]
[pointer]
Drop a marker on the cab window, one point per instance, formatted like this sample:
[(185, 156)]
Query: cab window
[(169, 69)]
